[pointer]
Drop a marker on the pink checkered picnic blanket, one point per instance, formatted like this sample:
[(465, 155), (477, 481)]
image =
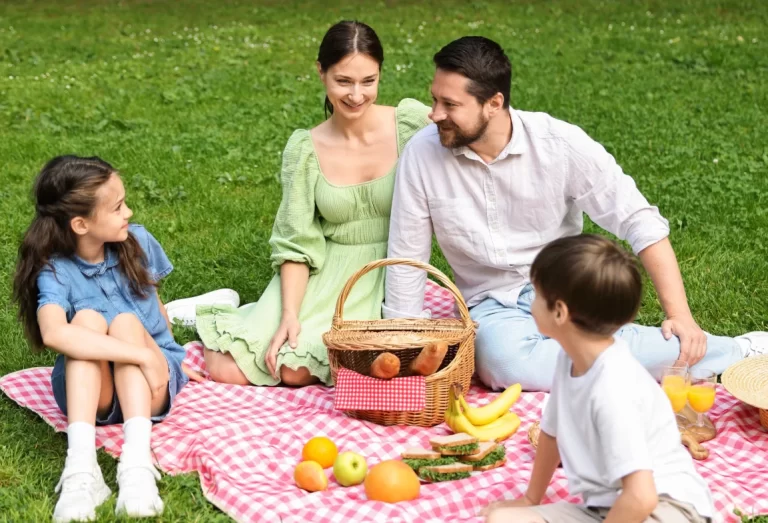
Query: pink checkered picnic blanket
[(245, 441)]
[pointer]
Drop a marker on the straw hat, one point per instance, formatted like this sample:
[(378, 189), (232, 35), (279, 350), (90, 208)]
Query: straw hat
[(747, 380)]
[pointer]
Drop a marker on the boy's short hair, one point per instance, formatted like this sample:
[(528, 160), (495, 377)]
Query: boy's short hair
[(598, 280)]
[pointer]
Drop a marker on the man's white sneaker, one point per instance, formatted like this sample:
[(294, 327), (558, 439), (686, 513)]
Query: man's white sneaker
[(138, 496), (185, 309), (81, 489), (758, 343)]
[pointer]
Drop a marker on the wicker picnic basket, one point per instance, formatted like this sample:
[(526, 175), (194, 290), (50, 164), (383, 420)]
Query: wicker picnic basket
[(354, 344)]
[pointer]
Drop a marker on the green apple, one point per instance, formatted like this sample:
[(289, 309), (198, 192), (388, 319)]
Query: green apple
[(350, 469)]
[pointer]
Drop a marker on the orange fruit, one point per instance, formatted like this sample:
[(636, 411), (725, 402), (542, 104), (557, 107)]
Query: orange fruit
[(320, 449), (392, 481), (310, 476)]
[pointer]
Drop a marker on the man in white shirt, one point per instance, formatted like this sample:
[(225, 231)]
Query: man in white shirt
[(495, 185)]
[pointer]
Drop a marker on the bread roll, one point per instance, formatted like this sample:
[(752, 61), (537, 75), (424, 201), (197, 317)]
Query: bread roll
[(386, 366)]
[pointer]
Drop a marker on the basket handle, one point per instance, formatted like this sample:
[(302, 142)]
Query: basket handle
[(338, 316)]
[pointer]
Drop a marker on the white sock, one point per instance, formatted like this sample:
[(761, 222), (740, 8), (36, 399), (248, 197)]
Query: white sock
[(136, 433), (744, 345), (81, 439)]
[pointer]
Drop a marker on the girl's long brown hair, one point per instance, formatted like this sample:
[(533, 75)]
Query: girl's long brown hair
[(64, 189)]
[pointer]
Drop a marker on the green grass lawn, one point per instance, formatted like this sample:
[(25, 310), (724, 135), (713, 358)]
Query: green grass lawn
[(194, 102)]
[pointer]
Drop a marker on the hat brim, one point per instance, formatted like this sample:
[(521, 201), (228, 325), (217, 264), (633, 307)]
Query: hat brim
[(747, 381)]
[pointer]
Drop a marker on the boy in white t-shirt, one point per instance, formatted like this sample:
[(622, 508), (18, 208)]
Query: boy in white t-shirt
[(607, 419)]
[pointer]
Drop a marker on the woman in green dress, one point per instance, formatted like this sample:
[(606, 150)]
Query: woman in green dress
[(337, 180)]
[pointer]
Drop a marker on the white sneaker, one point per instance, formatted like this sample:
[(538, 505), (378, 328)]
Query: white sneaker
[(82, 489), (185, 309), (138, 496), (758, 343)]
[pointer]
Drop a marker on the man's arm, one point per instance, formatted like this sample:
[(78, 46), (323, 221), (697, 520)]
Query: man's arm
[(600, 188), (660, 262), (410, 236)]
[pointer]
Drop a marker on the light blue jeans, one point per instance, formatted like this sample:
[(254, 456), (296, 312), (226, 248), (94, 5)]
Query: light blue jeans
[(509, 348)]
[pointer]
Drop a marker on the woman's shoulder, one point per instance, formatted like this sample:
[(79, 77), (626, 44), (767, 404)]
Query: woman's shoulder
[(300, 142), (412, 116), (409, 105)]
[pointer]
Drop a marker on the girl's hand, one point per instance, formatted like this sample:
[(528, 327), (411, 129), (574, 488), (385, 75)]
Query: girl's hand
[(155, 370), (288, 330), (193, 375)]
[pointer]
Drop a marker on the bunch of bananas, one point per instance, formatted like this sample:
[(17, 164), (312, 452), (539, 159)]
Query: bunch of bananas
[(492, 422)]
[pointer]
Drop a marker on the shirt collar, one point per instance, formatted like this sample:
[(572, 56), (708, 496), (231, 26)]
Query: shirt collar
[(517, 145), (111, 259)]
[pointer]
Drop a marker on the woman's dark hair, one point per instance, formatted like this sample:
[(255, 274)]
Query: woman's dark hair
[(482, 61), (64, 189), (344, 38), (597, 279)]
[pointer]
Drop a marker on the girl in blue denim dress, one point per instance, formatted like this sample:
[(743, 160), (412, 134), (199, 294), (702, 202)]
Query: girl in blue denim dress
[(86, 288)]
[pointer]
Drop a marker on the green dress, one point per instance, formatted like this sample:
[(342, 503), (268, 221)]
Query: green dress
[(335, 230)]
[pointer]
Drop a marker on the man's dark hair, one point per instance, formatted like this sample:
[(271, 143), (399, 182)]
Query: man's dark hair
[(598, 281), (482, 61)]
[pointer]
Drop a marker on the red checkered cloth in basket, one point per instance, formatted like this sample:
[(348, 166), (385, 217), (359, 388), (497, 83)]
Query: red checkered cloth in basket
[(357, 392), (245, 441)]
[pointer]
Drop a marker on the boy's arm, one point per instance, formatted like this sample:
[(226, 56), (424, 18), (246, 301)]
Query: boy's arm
[(544, 466), (637, 501)]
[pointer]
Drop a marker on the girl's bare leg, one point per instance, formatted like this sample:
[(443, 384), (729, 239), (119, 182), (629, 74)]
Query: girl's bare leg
[(136, 475)]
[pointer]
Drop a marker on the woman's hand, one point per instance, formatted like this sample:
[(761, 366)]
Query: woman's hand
[(288, 330)]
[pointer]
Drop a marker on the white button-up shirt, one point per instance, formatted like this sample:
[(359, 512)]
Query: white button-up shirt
[(492, 219)]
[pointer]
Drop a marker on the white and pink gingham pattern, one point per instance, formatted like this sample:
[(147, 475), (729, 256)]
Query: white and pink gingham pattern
[(245, 442), (357, 392), (439, 301)]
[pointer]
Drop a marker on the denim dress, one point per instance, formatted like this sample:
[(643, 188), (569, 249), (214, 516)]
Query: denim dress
[(76, 285)]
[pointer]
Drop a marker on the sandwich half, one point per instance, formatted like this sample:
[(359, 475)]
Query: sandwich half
[(459, 444), (445, 472), (490, 455), (418, 457)]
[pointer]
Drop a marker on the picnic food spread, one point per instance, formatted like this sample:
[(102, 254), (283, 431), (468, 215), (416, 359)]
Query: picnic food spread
[(490, 455), (454, 457), (418, 457), (386, 366), (320, 450), (430, 358), (495, 421), (392, 481), (434, 474), (350, 469), (460, 444), (310, 476)]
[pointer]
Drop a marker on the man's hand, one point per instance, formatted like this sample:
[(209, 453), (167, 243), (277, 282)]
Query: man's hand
[(693, 341)]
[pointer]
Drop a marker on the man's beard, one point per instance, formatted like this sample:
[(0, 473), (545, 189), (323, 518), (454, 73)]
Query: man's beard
[(457, 138)]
